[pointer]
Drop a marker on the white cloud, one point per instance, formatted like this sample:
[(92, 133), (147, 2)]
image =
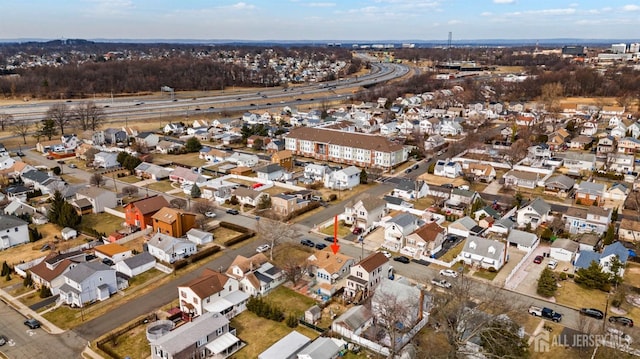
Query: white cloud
[(321, 4), (504, 1), (110, 7), (486, 13), (573, 4), (568, 11), (242, 6), (454, 22), (631, 7)]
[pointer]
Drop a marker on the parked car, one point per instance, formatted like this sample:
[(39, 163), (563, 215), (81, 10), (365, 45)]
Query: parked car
[(263, 248), (108, 262), (386, 254), (449, 273), (441, 283), (408, 170), (592, 312), (328, 239), (357, 230), (73, 165), (3, 340), (552, 264), (32, 323), (49, 157), (545, 313), (321, 246), (538, 259), (233, 211), (308, 243), (210, 215), (402, 259), (447, 185), (20, 154), (627, 322), (415, 167)]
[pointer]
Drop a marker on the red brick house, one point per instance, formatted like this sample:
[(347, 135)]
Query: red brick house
[(138, 213)]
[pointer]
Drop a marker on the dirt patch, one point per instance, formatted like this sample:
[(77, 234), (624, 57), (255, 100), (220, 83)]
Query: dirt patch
[(632, 274)]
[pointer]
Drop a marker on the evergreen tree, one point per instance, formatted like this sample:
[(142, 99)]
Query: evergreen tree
[(593, 277), (56, 207), (47, 129), (547, 284), (195, 191), (5, 269), (68, 216), (193, 145), (28, 280), (363, 177), (610, 235), (8, 277), (45, 292)]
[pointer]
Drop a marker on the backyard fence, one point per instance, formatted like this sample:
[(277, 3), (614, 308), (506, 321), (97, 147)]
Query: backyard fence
[(113, 336)]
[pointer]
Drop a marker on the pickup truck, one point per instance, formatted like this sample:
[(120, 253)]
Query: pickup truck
[(544, 312), (441, 283)]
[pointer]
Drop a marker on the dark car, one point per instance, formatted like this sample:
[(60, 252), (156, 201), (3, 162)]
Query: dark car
[(328, 239), (307, 242), (408, 170), (321, 246), (357, 230), (253, 104), (415, 167), (32, 323), (538, 259), (3, 340), (233, 211), (20, 154), (591, 312), (447, 185), (627, 322), (108, 262), (401, 259)]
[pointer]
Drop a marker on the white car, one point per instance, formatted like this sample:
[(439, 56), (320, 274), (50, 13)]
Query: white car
[(552, 264), (386, 254), (449, 273), (263, 248), (210, 215)]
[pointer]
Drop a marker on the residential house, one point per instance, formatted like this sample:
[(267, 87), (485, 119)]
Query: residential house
[(486, 212), (6, 162), (146, 170), (577, 162), (620, 163), (618, 131), (634, 129), (256, 275), (410, 189), (210, 287), (434, 142), (18, 208), (589, 128), (136, 265), (449, 127), (274, 146), (398, 228), (426, 240), (316, 172), (559, 185), (50, 271), (322, 348), (533, 213), (629, 230), (365, 275), (605, 145), (243, 159), (99, 198), (354, 322), (213, 155), (580, 142), (587, 241), (50, 146), (363, 211), (283, 159), (389, 128), (248, 196), (186, 176), (208, 336), (169, 145), (462, 227), (588, 193), (583, 220), (628, 145), (87, 282), (480, 172), (521, 179), (114, 136), (139, 213), (617, 192), (431, 127), (447, 169), (328, 268), (524, 241), (173, 129), (147, 139), (112, 251), (105, 160), (287, 347), (270, 172), (540, 151), (483, 253), (343, 179), (362, 150), (13, 231), (605, 258), (169, 249), (285, 204), (173, 222), (199, 237), (70, 142)]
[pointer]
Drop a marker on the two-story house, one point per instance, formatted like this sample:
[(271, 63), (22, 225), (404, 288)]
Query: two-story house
[(255, 275), (426, 240), (583, 220), (173, 222), (50, 271), (87, 282), (328, 269), (139, 213), (483, 253), (271, 172), (605, 145), (284, 204), (588, 193), (210, 287), (408, 189), (533, 213), (14, 231), (364, 211), (398, 228), (629, 230), (447, 169), (344, 179), (99, 198), (316, 172), (283, 159), (615, 250), (620, 163), (460, 201), (105, 160), (365, 275)]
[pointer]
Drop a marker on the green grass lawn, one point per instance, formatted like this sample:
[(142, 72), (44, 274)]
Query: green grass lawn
[(452, 253), (161, 186), (102, 222), (152, 274), (485, 274), (290, 301), (64, 317)]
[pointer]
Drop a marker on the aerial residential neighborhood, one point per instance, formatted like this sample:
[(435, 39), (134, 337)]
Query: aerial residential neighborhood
[(356, 200)]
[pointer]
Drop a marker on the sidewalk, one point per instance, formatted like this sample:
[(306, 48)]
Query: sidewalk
[(28, 312)]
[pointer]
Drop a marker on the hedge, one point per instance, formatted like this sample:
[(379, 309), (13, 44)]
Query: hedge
[(239, 238), (196, 257)]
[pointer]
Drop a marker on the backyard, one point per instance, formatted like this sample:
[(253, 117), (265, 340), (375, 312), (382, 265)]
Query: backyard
[(189, 159), (102, 222), (452, 253), (161, 186)]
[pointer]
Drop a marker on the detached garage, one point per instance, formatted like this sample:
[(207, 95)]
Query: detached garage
[(564, 249), (525, 241), (136, 265)]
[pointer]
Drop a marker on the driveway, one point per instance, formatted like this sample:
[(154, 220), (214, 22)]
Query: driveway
[(526, 278)]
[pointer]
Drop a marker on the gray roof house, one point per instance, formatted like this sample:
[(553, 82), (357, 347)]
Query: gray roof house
[(398, 228), (13, 231), (270, 172), (135, 265), (482, 252), (170, 249), (525, 241), (534, 213), (462, 227), (88, 282), (152, 171), (322, 348), (559, 185), (287, 347)]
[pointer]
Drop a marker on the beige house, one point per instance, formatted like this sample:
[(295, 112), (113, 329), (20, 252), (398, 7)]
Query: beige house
[(328, 268), (629, 230), (427, 240), (365, 276)]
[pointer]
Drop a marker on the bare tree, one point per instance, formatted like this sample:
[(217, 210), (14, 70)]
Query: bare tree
[(21, 128), (59, 113), (202, 207), (393, 314), (294, 269), (130, 191), (96, 179), (90, 154), (178, 203), (88, 116), (5, 119), (275, 232)]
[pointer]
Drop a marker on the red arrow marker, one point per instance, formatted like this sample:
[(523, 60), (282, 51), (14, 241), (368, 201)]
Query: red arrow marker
[(335, 247)]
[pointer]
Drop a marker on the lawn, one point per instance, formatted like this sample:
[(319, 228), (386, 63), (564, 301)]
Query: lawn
[(485, 274), (132, 344), (72, 179), (189, 159), (290, 301), (221, 235), (150, 275), (452, 253), (423, 203), (161, 186), (129, 179), (102, 222), (31, 298), (573, 295), (343, 230), (284, 253)]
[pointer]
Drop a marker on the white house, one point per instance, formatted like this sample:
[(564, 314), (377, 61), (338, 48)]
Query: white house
[(398, 228), (447, 169), (364, 211), (209, 287), (88, 282), (582, 220), (170, 249), (482, 252), (99, 198), (409, 189), (199, 237), (105, 160), (68, 233), (533, 213), (113, 251), (13, 231), (316, 172), (564, 249), (243, 159), (365, 275), (270, 172), (524, 241), (136, 265), (256, 275), (343, 179)]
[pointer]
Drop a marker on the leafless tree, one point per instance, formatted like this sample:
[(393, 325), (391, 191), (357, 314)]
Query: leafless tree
[(393, 314), (202, 207), (5, 119), (274, 232), (59, 113), (294, 269), (22, 128), (130, 191), (90, 154), (178, 203), (96, 179), (88, 116)]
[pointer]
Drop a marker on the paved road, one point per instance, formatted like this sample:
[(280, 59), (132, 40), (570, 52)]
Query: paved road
[(25, 343)]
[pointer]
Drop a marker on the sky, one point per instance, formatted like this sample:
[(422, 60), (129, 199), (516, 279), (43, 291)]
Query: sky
[(326, 20)]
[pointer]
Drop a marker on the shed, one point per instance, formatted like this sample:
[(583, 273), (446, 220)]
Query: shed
[(68, 233), (199, 237), (313, 314)]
